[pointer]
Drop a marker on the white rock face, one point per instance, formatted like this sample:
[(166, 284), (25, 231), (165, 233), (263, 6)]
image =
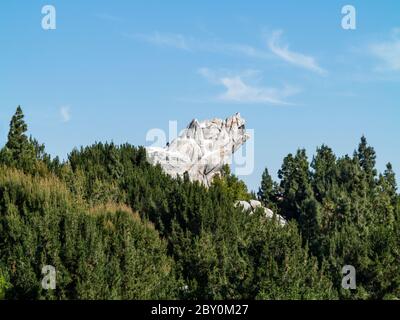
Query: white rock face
[(252, 205), (202, 149)]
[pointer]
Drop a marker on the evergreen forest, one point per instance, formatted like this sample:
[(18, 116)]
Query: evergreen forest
[(116, 227)]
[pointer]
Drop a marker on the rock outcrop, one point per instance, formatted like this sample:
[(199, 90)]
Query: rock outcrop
[(202, 149), (252, 205)]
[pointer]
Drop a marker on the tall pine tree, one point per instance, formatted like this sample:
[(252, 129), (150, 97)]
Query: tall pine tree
[(23, 152), (16, 136), (267, 189), (295, 183), (367, 158)]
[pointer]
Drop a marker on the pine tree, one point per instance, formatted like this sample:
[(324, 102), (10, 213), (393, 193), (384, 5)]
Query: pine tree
[(19, 151), (324, 174), (309, 222), (17, 140), (295, 183), (266, 191), (390, 179), (367, 158)]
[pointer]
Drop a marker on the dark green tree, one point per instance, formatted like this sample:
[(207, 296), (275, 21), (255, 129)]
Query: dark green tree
[(295, 184), (17, 139), (310, 223), (268, 189), (390, 179), (324, 172), (367, 158), (23, 152)]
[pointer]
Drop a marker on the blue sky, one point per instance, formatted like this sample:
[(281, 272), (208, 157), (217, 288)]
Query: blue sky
[(113, 70)]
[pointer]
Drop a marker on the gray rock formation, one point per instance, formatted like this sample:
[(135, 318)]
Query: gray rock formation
[(252, 206), (202, 149)]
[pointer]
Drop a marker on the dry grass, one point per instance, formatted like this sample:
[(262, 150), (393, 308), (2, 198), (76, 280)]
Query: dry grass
[(51, 190), (47, 187), (111, 207)]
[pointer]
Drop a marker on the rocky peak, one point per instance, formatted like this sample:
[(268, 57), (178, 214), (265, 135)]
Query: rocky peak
[(202, 149)]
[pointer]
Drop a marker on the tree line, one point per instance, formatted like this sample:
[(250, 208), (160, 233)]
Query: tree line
[(116, 227)]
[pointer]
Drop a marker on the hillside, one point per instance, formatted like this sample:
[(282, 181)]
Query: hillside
[(115, 226)]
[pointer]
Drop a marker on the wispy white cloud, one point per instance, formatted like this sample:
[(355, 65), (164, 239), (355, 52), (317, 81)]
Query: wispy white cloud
[(388, 52), (108, 17), (179, 41), (235, 48), (65, 113), (238, 89), (298, 59), (182, 42)]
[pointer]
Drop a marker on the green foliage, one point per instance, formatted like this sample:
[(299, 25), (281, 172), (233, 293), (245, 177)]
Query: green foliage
[(16, 136), (116, 227), (99, 253), (268, 192), (4, 285), (367, 159), (25, 153), (347, 216), (234, 187), (295, 184)]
